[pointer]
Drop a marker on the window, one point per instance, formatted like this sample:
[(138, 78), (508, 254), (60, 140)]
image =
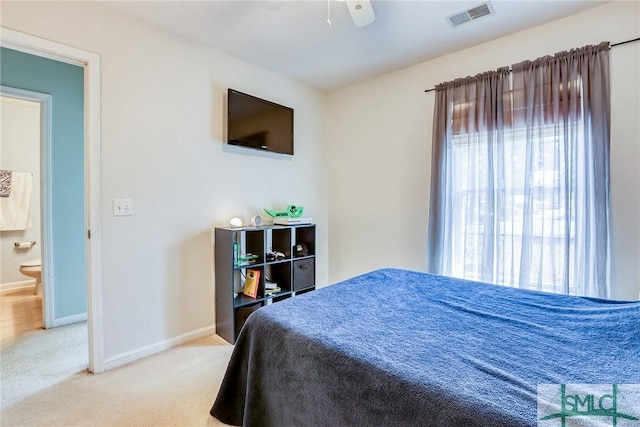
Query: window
[(551, 233), (520, 175)]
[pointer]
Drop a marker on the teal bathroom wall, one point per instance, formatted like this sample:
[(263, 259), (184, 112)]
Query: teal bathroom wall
[(65, 83)]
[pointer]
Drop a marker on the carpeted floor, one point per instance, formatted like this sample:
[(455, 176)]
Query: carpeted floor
[(38, 359), (173, 388)]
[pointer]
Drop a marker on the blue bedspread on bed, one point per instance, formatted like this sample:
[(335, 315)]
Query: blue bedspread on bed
[(396, 347)]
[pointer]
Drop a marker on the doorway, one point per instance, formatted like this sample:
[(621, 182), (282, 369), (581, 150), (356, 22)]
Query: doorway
[(90, 64), (26, 143)]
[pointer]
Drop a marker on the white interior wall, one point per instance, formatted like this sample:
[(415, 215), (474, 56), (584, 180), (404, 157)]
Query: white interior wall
[(20, 152), (379, 136), (162, 146)]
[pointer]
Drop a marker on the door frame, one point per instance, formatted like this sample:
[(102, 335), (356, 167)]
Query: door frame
[(45, 194), (90, 61)]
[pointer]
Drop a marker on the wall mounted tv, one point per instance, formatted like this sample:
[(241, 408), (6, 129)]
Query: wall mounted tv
[(257, 123)]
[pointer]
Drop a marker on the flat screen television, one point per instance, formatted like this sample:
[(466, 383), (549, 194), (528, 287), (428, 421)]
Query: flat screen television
[(257, 123)]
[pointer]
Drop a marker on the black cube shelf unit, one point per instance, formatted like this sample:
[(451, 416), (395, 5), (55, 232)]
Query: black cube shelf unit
[(294, 273)]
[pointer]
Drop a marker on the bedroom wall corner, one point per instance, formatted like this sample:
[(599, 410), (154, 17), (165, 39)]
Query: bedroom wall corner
[(384, 126)]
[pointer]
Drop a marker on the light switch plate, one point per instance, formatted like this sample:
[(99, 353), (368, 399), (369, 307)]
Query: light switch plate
[(122, 207)]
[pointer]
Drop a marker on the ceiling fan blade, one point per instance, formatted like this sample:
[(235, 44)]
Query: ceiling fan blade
[(361, 12)]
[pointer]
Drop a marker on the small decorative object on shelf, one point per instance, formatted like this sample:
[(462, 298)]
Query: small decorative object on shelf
[(251, 283), (292, 211), (256, 221), (235, 222), (301, 249)]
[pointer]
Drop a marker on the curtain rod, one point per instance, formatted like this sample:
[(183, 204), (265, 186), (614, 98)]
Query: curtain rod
[(613, 45)]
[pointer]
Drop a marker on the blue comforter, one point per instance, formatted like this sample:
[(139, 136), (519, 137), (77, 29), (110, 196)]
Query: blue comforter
[(402, 348)]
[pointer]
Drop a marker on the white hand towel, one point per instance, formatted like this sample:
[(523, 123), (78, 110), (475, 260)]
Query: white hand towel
[(15, 210)]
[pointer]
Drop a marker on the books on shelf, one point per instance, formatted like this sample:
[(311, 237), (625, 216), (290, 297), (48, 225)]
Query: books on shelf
[(236, 253), (246, 260), (269, 284), (271, 288), (273, 291), (251, 282), (292, 221)]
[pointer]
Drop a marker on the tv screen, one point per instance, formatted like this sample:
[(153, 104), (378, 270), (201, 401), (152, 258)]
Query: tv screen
[(257, 123)]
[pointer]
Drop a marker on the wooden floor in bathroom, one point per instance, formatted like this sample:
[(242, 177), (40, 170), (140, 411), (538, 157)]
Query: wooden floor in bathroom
[(21, 311)]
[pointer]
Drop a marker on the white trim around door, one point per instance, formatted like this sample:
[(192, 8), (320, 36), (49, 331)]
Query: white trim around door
[(91, 62), (45, 194)]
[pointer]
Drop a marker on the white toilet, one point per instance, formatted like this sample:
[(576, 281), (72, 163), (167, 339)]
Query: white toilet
[(33, 269)]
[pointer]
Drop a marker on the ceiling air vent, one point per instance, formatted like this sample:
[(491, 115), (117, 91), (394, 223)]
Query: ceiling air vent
[(471, 14)]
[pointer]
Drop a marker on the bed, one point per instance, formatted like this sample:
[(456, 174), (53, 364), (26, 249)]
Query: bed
[(403, 348)]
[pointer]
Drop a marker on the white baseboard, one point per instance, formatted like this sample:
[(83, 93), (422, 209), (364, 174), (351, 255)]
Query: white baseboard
[(69, 320), (17, 285), (130, 356)]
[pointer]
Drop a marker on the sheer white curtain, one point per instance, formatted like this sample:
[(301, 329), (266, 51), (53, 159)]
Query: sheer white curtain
[(520, 175)]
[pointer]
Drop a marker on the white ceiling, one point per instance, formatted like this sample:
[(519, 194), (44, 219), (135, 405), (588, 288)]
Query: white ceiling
[(293, 38)]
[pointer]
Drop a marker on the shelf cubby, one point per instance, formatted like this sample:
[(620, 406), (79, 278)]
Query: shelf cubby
[(294, 273)]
